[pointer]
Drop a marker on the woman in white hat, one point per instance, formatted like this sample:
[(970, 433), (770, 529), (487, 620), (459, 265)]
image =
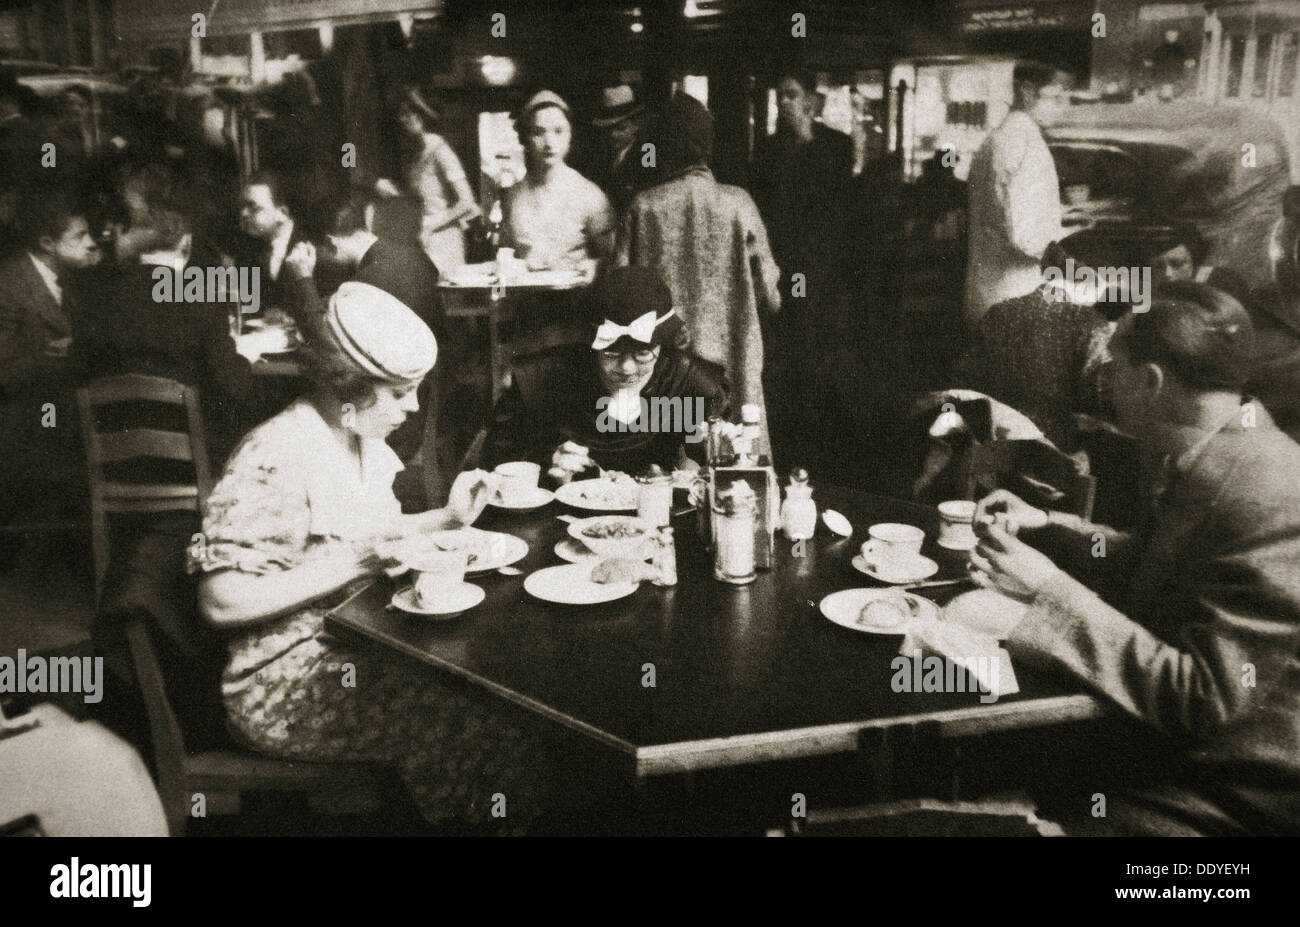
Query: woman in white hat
[(304, 508), (555, 217)]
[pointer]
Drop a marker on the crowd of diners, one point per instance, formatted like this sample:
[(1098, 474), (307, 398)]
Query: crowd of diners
[(1188, 626)]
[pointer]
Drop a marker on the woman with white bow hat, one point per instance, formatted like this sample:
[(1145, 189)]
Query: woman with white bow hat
[(304, 508)]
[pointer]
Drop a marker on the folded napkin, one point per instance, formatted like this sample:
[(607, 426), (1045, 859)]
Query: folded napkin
[(988, 663)]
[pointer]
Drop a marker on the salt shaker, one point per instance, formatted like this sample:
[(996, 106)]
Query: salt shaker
[(654, 496), (798, 512), (734, 512), (665, 560)]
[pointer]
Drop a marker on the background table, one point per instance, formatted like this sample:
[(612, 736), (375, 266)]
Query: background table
[(742, 673)]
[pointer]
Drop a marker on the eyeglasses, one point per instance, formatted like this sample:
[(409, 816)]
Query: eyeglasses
[(641, 357)]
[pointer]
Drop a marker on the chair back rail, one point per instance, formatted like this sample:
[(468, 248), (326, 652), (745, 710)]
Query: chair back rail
[(133, 443)]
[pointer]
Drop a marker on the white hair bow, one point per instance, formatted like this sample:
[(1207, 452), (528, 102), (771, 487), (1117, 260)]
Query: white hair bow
[(641, 329)]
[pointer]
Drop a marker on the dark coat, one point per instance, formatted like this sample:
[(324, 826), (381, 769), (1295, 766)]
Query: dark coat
[(30, 319), (119, 329), (1204, 647), (553, 398)]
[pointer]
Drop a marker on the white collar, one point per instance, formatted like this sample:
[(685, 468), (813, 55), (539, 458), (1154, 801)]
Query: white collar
[(625, 405), (344, 503), (49, 276)]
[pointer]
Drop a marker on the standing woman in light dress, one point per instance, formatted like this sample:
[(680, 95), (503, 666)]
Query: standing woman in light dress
[(304, 509), (555, 218), (436, 176)]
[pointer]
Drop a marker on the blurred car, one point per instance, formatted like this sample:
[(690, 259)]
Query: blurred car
[(1129, 164)]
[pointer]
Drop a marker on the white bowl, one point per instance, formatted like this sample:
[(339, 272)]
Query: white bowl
[(632, 546)]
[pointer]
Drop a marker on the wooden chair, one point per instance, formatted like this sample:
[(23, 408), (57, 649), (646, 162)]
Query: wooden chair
[(1003, 464), (221, 775), (109, 496)]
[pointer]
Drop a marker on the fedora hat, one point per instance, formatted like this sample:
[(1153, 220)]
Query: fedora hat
[(617, 104)]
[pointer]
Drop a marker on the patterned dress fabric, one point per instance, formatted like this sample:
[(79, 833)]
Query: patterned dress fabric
[(291, 493)]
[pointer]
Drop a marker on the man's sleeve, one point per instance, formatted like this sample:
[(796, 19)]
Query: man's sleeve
[(1226, 658), (18, 366)]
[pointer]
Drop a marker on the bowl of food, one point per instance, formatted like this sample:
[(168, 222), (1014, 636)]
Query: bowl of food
[(613, 535)]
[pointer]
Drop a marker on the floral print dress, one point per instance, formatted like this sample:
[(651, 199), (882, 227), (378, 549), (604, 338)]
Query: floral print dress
[(291, 493)]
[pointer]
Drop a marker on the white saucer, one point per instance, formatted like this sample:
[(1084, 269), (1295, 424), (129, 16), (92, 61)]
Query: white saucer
[(571, 585), (535, 499), (924, 569), (845, 609), (459, 600), (575, 552)]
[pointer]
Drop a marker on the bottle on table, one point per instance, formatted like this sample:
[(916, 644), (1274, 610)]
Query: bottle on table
[(734, 514), (655, 496), (798, 512), (665, 560), (751, 416)]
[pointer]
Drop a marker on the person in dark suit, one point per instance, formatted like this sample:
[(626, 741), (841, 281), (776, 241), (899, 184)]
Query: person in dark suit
[(397, 267), (38, 419), (573, 407), (1195, 634), (271, 230), (802, 175), (121, 327)]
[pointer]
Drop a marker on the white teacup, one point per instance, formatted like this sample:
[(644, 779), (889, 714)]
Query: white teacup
[(892, 545), (517, 481), (957, 524), (438, 573)]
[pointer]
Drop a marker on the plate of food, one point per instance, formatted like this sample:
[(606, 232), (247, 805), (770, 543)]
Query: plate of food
[(613, 535), (485, 550), (571, 584), (614, 492), (877, 611)]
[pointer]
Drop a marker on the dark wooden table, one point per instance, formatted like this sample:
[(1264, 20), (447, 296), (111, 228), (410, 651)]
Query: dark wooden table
[(742, 674)]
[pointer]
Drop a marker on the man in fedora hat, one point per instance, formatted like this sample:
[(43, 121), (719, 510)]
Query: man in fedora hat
[(629, 395), (620, 118)]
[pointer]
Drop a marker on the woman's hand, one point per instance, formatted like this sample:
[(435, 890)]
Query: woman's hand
[(569, 459), (469, 496), (387, 189), (1010, 511), (1003, 562)]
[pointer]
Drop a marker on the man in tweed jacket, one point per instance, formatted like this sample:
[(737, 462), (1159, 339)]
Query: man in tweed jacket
[(1196, 632)]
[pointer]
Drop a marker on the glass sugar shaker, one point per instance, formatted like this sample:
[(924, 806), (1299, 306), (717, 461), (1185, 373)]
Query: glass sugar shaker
[(798, 512), (665, 561), (734, 512), (654, 496)]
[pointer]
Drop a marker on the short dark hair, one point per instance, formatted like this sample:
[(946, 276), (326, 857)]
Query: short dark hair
[(805, 79), (345, 213), (1037, 74), (1182, 233), (47, 211), (275, 185), (1199, 334)]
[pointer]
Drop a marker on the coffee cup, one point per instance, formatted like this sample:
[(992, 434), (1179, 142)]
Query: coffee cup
[(891, 544), (957, 524), (517, 481), (438, 574)]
